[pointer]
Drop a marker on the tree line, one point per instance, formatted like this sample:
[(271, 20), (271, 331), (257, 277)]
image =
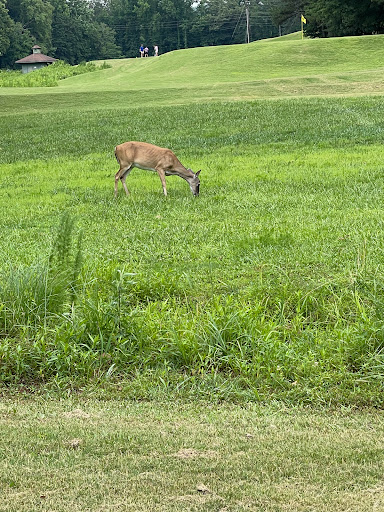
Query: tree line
[(334, 18), (83, 30)]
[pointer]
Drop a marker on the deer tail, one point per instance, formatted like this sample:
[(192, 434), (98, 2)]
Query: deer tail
[(118, 161)]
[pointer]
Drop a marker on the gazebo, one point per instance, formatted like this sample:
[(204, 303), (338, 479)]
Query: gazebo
[(34, 61)]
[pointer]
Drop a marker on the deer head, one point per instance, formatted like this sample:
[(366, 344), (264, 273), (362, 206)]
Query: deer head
[(194, 183)]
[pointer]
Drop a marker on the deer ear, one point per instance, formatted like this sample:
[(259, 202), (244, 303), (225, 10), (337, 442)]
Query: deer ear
[(198, 172)]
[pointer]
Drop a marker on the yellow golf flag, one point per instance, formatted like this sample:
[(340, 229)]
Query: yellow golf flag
[(304, 20)]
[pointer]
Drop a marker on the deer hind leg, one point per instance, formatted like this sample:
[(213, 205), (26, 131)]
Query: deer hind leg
[(122, 175), (161, 174)]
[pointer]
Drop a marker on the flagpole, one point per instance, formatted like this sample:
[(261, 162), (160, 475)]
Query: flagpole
[(303, 20)]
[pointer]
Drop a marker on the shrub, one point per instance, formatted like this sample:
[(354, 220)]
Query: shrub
[(48, 76)]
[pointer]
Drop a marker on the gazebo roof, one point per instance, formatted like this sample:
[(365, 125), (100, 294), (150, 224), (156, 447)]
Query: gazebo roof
[(35, 58)]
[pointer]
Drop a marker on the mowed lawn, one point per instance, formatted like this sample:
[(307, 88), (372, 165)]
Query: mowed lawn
[(227, 349), (124, 456)]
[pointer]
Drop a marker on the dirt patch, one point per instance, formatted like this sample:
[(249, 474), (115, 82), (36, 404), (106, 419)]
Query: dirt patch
[(73, 444), (77, 413), (191, 453)]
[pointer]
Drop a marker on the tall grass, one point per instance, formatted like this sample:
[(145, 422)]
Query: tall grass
[(33, 296), (270, 284), (48, 76), (322, 344)]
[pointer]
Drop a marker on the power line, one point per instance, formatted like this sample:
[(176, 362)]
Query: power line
[(234, 30), (175, 23)]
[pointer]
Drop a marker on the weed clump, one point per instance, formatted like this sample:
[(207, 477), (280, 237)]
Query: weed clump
[(318, 345), (33, 296), (48, 76)]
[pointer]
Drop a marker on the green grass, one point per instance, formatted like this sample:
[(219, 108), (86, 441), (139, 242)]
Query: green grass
[(125, 456), (286, 68), (142, 323), (270, 284)]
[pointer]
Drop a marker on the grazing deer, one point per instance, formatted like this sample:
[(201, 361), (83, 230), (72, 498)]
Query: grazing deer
[(152, 158)]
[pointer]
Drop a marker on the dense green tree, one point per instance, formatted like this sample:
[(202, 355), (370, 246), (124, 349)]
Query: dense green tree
[(142, 11), (21, 42), (330, 18), (78, 36), (15, 41), (217, 22), (149, 22), (224, 22), (172, 33), (78, 30), (5, 28), (102, 42), (68, 32), (282, 10), (121, 16), (36, 17)]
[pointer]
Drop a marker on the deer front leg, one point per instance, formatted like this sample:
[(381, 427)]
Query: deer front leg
[(161, 174)]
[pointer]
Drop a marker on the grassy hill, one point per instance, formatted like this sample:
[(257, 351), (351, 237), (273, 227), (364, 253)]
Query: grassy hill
[(280, 67), (242, 63), (261, 60)]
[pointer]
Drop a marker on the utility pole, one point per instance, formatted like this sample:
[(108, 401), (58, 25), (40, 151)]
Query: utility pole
[(247, 3)]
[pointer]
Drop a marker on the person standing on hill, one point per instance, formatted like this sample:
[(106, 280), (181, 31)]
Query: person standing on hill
[(141, 50), (156, 50), (146, 50)]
